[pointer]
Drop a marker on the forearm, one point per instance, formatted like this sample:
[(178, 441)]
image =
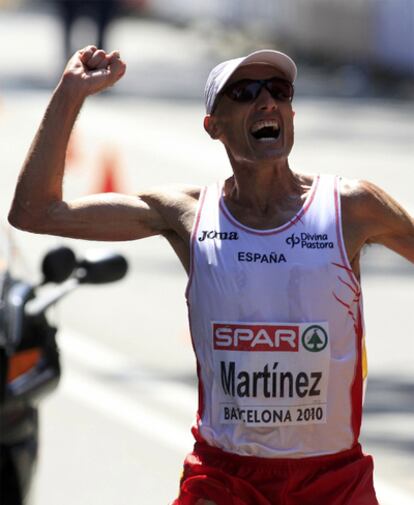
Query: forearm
[(38, 205), (41, 177), (39, 187)]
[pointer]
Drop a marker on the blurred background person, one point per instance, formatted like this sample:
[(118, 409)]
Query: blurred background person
[(101, 12)]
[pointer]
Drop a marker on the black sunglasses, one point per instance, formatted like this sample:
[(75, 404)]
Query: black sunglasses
[(247, 90)]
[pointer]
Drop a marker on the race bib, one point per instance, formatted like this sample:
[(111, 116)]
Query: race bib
[(270, 374)]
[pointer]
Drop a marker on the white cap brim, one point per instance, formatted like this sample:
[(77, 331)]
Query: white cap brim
[(220, 74)]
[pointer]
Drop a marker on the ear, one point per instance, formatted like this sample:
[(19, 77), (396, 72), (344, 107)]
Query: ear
[(210, 125), (293, 113)]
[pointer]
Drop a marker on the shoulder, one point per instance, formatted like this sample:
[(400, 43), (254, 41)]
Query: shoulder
[(365, 199), (357, 188), (174, 189), (175, 203), (373, 211), (171, 195), (356, 195)]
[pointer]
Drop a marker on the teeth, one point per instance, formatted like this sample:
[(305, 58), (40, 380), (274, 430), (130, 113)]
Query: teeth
[(267, 139), (265, 124)]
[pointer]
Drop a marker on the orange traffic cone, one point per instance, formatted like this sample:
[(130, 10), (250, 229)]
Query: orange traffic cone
[(73, 152), (109, 172)]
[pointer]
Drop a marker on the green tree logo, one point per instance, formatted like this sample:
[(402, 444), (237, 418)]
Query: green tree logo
[(314, 338)]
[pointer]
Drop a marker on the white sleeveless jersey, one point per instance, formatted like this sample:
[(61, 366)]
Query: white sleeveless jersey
[(276, 323)]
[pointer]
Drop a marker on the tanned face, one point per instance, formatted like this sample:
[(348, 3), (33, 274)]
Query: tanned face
[(238, 125)]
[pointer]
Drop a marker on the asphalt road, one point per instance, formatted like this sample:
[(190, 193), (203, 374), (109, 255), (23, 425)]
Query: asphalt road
[(117, 429)]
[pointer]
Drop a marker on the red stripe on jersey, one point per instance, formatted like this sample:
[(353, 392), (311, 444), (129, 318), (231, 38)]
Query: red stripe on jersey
[(357, 385), (340, 240)]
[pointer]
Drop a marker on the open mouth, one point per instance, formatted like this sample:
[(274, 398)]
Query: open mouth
[(266, 131)]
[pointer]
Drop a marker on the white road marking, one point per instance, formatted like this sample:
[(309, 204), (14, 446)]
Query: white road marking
[(92, 353), (132, 414), (390, 495), (103, 360), (141, 418)]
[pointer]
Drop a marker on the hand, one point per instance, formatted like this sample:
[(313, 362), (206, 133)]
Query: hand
[(91, 70)]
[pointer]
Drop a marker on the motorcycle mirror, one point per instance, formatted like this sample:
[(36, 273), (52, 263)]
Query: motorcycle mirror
[(58, 264), (100, 267)]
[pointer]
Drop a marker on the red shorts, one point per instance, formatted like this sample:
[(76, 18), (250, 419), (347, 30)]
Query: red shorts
[(345, 478)]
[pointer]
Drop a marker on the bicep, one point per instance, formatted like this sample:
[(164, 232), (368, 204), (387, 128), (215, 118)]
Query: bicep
[(108, 216)]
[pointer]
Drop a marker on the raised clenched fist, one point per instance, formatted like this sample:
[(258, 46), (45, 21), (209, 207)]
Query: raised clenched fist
[(91, 70)]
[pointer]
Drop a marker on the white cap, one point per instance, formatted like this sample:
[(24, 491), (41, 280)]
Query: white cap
[(220, 74)]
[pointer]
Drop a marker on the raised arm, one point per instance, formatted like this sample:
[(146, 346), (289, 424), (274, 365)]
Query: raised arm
[(372, 216), (38, 205)]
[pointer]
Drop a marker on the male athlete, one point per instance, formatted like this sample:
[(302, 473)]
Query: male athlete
[(274, 295)]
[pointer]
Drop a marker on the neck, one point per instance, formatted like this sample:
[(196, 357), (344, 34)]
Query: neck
[(263, 185)]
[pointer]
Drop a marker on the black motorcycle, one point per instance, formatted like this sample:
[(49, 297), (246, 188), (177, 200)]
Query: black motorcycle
[(29, 355)]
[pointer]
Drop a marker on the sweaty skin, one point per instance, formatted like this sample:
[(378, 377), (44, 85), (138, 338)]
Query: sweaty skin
[(262, 193)]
